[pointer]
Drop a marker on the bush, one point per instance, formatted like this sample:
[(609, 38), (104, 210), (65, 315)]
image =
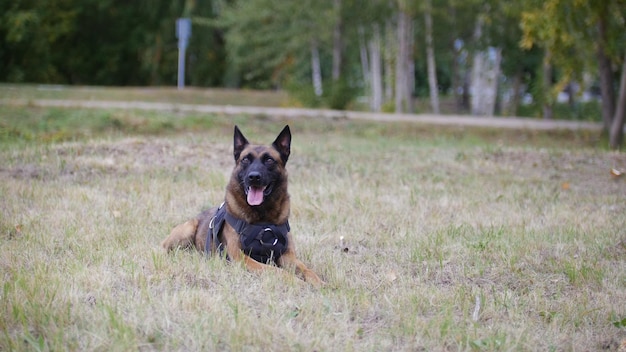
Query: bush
[(589, 111), (336, 95), (339, 95)]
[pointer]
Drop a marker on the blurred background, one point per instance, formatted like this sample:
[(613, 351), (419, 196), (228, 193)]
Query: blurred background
[(551, 58)]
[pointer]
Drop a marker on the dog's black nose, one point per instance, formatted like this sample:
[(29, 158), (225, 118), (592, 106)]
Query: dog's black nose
[(254, 176)]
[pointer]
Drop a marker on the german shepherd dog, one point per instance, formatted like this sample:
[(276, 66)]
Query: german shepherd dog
[(251, 226)]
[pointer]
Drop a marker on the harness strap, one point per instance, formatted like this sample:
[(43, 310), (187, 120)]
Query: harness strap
[(268, 234), (261, 241), (215, 226)]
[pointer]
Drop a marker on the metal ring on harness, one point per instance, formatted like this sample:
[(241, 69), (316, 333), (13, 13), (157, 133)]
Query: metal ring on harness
[(267, 229), (212, 222)]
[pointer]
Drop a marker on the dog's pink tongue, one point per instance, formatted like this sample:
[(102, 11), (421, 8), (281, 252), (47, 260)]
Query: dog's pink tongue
[(255, 196)]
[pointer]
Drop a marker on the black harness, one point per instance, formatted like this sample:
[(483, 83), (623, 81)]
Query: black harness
[(263, 242)]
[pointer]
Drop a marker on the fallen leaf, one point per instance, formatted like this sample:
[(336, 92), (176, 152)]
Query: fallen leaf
[(616, 173), (565, 186)]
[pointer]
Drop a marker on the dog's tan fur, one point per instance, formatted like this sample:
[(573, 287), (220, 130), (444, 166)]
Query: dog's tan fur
[(275, 209)]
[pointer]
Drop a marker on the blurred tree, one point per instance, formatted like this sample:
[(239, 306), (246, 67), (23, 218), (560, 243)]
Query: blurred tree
[(104, 42), (583, 36), (430, 57), (270, 41), (385, 49), (370, 19), (405, 59), (29, 32)]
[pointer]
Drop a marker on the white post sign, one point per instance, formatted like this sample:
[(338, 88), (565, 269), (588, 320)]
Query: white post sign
[(183, 32)]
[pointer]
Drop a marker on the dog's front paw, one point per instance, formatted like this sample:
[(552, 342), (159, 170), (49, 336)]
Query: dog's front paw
[(312, 278)]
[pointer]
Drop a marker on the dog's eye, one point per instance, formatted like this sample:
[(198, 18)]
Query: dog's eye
[(245, 160), (269, 161)]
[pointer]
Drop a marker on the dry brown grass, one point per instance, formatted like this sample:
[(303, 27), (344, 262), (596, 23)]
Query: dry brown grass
[(410, 227)]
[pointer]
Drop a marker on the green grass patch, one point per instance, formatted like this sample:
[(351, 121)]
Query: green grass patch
[(50, 125), (189, 95)]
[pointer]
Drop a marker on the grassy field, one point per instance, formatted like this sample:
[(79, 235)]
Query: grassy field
[(189, 95), (430, 238)]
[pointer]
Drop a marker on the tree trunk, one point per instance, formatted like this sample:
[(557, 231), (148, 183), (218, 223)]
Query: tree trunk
[(476, 84), (547, 86), (570, 89), (465, 96), (363, 55), (409, 65), (516, 95), (156, 60), (485, 74), (316, 70), (616, 136), (336, 71), (606, 77), (376, 79), (390, 48), (430, 59), (403, 93), (456, 81)]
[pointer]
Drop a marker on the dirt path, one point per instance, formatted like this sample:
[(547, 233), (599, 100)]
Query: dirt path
[(454, 120)]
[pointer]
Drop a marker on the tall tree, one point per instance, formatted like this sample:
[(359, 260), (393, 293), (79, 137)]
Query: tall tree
[(605, 69), (369, 28), (482, 75), (430, 57), (363, 56), (30, 31), (616, 136), (454, 33), (489, 39), (519, 66), (404, 57), (103, 42), (571, 32), (337, 40), (546, 85), (316, 69), (270, 41), (389, 59), (376, 81)]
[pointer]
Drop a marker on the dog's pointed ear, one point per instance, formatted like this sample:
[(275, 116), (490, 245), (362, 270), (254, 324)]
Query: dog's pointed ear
[(283, 143), (240, 143)]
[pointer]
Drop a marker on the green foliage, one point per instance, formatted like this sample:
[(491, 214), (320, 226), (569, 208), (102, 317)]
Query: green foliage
[(303, 94), (269, 41), (589, 111), (104, 43), (340, 95), (29, 30), (569, 31), (336, 95), (266, 44)]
